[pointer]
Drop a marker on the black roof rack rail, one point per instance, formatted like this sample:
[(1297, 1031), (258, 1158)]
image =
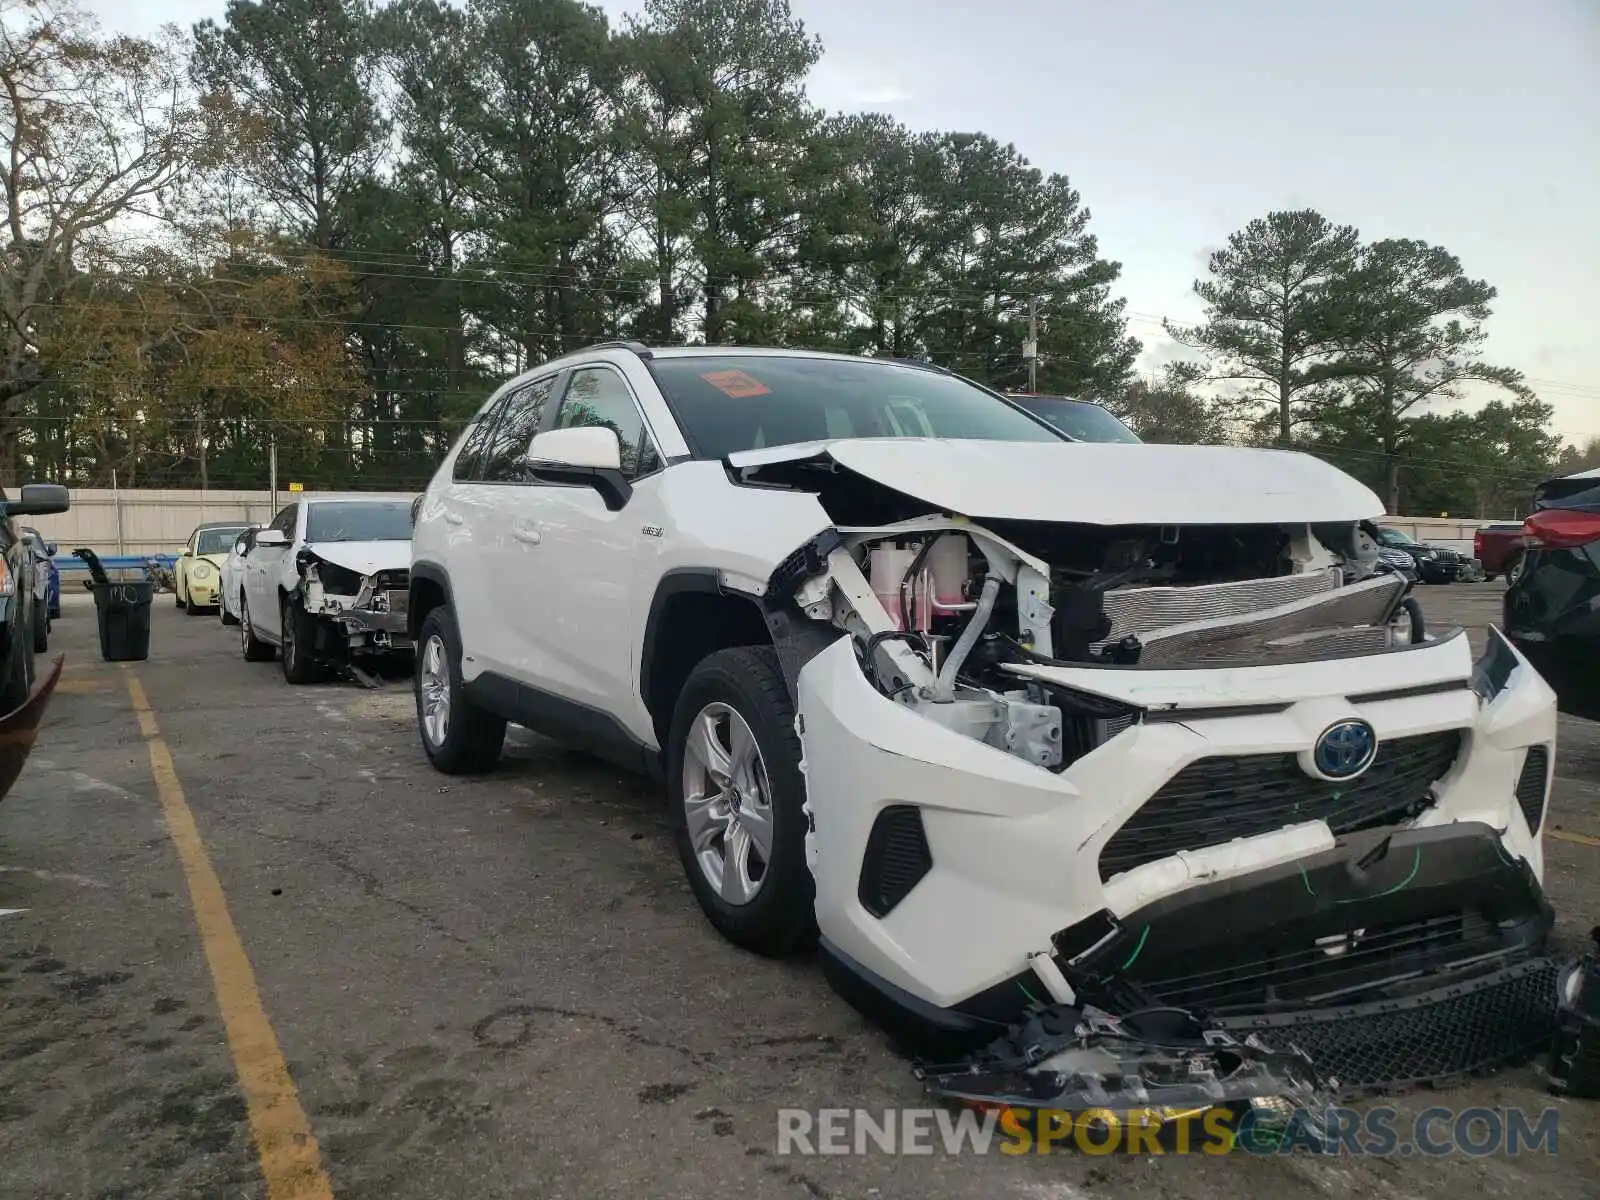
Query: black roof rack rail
[(638, 348)]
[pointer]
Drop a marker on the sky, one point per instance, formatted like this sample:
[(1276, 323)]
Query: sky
[(1471, 124)]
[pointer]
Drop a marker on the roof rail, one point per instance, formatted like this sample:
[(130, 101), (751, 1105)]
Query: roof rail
[(914, 362), (638, 348)]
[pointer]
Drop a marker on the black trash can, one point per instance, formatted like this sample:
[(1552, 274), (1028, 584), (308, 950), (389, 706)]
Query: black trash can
[(123, 613)]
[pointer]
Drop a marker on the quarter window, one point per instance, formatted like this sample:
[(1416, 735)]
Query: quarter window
[(598, 397), (505, 455), (469, 462)]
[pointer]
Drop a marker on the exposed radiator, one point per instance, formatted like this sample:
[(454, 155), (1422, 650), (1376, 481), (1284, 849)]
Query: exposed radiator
[(1139, 610)]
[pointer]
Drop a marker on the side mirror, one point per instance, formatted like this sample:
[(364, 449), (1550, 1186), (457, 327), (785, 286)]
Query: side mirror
[(50, 549), (584, 456), (39, 500), (185, 552), (271, 537), (591, 446)]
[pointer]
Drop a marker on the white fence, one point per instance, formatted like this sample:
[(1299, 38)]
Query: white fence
[(151, 520), (159, 521)]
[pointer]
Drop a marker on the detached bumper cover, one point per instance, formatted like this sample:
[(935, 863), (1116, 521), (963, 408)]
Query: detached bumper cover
[(1390, 932)]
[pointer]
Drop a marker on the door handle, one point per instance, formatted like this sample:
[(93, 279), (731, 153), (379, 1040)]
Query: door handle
[(454, 518), (527, 534)]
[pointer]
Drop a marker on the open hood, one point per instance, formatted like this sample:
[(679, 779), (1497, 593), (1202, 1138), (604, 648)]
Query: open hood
[(1098, 483), (364, 558)]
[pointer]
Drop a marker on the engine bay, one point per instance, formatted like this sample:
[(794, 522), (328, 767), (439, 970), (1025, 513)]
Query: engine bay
[(957, 620)]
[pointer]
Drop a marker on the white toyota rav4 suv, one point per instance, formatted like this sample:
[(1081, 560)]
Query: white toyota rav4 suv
[(1009, 720)]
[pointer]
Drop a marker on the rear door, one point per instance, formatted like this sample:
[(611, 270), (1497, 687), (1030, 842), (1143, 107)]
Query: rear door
[(492, 609)]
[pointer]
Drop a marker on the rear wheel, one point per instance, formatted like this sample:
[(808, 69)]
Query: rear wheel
[(459, 737), (255, 650), (738, 801), (1514, 569)]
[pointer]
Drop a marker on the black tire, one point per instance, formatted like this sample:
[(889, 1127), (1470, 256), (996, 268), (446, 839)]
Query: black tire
[(473, 736), (255, 650), (223, 615), (191, 608), (299, 634), (41, 631), (1514, 569), (781, 919), (17, 684)]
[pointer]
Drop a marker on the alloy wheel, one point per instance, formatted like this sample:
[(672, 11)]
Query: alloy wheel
[(433, 685), (727, 800)]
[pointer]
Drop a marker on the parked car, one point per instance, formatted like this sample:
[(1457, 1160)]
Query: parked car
[(44, 556), (197, 576), (1435, 564), (992, 717), (39, 570), (1552, 609), (325, 584), (20, 611), (232, 576), (1080, 420), (1499, 548)]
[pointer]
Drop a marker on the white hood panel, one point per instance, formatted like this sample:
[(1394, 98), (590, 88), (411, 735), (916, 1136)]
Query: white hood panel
[(364, 557), (1099, 483)]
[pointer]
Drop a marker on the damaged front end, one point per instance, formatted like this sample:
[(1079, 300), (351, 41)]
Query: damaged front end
[(1059, 769), (358, 611)]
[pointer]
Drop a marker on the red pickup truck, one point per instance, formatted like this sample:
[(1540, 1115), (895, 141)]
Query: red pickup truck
[(1499, 549)]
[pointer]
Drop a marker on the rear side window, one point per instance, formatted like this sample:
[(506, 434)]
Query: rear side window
[(469, 463), (505, 455), (1580, 493)]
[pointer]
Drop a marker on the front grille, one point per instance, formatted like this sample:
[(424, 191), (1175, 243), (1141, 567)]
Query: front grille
[(1455, 1029), (1531, 785), (1319, 972), (1216, 800), (896, 859)]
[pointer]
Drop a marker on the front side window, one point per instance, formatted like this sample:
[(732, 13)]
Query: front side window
[(725, 404), (284, 521), (503, 457), (597, 396), (359, 521)]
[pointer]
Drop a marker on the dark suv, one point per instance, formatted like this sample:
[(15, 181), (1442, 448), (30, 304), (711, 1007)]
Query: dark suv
[(1552, 609), (1435, 564)]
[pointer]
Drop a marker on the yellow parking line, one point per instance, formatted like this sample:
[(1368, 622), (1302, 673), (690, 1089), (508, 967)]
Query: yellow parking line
[(290, 1158), (1581, 839)]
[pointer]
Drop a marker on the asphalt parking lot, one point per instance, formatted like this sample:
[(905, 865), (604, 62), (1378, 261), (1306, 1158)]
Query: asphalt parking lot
[(489, 988)]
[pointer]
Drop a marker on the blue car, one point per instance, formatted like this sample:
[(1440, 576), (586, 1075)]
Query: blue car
[(45, 570)]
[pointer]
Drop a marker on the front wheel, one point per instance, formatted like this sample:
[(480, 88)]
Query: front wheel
[(738, 801), (458, 736), (223, 615), (299, 640), (41, 630)]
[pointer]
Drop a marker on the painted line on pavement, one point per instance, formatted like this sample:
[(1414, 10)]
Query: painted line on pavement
[(1578, 839), (290, 1158)]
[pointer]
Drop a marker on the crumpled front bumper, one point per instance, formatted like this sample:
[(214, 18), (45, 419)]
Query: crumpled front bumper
[(1180, 864)]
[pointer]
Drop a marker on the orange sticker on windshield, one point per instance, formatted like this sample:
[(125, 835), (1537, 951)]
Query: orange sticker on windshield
[(736, 384)]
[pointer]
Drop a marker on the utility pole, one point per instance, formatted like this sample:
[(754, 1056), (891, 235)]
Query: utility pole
[(1030, 348), (272, 475)]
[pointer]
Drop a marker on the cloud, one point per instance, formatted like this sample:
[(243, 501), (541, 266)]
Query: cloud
[(844, 87)]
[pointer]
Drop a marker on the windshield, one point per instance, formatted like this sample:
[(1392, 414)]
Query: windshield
[(359, 521), (216, 541), (1078, 419), (748, 402), (1393, 537)]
